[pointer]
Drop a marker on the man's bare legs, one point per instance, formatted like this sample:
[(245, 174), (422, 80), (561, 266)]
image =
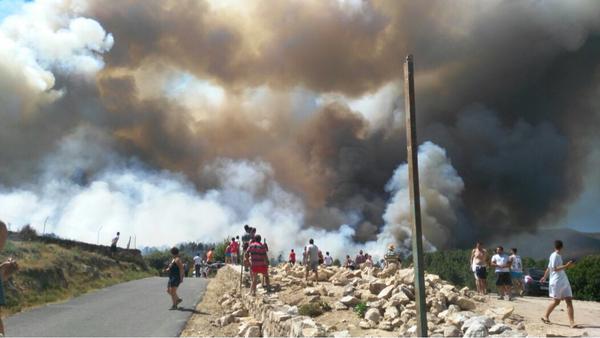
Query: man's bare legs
[(550, 308), (570, 312)]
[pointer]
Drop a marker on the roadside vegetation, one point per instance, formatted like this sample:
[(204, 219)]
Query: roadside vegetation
[(453, 266), (51, 273)]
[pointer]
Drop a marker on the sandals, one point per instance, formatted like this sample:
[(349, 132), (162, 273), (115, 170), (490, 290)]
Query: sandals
[(179, 301), (546, 321)]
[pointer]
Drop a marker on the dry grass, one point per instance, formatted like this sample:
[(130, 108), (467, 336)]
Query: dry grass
[(50, 273)]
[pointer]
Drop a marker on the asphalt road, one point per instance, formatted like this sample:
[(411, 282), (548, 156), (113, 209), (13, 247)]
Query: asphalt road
[(137, 308)]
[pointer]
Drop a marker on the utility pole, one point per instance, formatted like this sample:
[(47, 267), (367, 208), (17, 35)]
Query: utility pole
[(415, 203), (44, 232)]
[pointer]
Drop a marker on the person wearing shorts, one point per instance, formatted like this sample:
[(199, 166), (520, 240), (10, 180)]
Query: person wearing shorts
[(312, 259), (257, 255), (234, 247), (228, 254), (479, 267), (176, 271), (516, 271), (501, 261)]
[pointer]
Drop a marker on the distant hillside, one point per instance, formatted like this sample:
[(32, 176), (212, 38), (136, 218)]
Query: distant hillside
[(538, 245), (50, 272)]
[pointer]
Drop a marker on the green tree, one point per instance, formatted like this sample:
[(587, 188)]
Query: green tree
[(585, 278), (219, 253)]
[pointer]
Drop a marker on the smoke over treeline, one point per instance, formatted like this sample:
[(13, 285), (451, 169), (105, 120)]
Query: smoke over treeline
[(288, 115)]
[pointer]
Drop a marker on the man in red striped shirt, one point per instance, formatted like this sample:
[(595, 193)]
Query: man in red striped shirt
[(257, 252)]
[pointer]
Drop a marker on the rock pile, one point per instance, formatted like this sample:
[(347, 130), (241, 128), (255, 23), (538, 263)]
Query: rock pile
[(371, 299)]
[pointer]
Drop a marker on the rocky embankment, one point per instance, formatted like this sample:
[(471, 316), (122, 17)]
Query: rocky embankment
[(367, 302)]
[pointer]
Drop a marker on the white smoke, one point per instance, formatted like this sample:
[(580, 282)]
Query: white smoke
[(163, 208), (47, 37)]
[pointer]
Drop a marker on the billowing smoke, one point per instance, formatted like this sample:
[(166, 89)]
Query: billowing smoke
[(190, 98), (162, 208)]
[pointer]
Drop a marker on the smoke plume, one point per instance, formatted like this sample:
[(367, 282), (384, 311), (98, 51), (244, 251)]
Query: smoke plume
[(186, 118)]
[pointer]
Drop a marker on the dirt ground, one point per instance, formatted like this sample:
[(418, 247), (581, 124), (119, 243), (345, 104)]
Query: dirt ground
[(587, 316), (209, 310)]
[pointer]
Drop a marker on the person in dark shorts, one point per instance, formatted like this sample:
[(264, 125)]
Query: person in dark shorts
[(113, 245), (175, 270), (479, 263), (501, 261)]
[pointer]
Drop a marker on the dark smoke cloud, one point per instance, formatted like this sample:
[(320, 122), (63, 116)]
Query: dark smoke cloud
[(505, 87)]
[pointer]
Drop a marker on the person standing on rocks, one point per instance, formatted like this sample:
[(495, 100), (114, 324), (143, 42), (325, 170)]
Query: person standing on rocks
[(501, 261), (479, 267), (234, 248), (257, 255), (312, 256), (369, 261), (516, 271), (328, 259), (176, 271), (228, 254), (292, 257), (349, 264), (360, 259), (559, 286)]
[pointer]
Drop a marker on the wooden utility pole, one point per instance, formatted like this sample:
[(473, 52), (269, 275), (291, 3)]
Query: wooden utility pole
[(415, 203)]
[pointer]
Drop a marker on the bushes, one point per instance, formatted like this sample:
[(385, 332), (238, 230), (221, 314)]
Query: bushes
[(28, 233), (585, 278), (158, 260), (360, 309)]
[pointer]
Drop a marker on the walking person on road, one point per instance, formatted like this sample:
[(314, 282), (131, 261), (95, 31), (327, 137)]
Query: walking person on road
[(175, 270), (312, 257), (479, 267), (516, 271), (559, 286), (197, 264), (501, 261)]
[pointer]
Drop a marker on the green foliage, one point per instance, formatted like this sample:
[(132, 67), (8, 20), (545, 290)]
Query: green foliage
[(451, 265), (219, 253), (585, 278), (360, 309), (158, 260), (336, 262)]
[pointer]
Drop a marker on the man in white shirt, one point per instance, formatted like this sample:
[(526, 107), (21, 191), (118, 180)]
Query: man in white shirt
[(197, 264), (312, 259), (328, 259), (516, 271), (502, 263), (559, 286)]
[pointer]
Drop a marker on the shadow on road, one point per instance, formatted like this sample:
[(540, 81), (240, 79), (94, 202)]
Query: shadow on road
[(182, 309)]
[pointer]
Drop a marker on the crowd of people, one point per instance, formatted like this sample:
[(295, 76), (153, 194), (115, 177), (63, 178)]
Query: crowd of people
[(509, 276), (253, 257)]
